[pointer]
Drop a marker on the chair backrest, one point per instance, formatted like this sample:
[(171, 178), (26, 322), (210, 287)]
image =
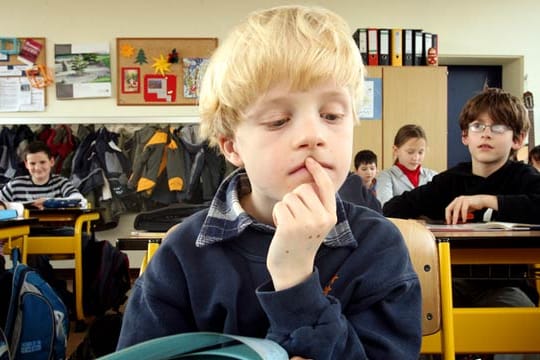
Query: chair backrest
[(424, 256)]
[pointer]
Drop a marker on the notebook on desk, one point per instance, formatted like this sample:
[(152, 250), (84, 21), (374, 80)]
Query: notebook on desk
[(202, 345), (8, 214), (56, 203), (486, 226)]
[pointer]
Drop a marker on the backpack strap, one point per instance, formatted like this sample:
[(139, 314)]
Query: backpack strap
[(4, 348), (15, 257)]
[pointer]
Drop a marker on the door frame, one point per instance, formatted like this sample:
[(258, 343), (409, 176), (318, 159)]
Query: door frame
[(513, 68)]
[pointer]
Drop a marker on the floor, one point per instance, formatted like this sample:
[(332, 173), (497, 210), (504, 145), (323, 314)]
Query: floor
[(74, 339)]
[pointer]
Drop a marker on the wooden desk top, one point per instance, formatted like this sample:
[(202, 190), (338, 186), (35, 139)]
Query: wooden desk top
[(135, 243), (490, 239), (18, 221), (63, 215), (73, 210)]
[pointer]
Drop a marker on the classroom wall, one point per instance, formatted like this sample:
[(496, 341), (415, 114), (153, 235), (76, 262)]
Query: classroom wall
[(479, 27)]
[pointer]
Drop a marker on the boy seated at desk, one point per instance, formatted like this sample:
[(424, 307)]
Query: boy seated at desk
[(32, 190), (40, 184), (493, 126)]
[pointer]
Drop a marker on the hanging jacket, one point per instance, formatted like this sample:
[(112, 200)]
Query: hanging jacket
[(161, 153)]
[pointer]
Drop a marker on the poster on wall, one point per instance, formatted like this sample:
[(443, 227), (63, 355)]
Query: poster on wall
[(371, 108), (22, 74), (82, 71), (193, 69)]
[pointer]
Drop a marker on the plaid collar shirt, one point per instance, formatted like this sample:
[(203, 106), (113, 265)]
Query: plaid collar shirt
[(227, 219)]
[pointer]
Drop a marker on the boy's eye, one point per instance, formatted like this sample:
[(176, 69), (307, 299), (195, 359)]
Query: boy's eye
[(476, 127), (276, 123), (331, 117)]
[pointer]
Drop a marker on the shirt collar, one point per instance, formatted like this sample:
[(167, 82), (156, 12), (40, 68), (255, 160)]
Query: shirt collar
[(226, 219)]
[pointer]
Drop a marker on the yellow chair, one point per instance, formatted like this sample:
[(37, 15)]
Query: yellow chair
[(437, 319), (152, 247), (63, 246)]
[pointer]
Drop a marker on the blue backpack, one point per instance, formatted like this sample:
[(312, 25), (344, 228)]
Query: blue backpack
[(37, 322)]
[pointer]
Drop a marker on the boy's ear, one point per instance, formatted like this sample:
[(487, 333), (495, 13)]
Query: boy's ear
[(228, 149), (465, 138), (518, 143)]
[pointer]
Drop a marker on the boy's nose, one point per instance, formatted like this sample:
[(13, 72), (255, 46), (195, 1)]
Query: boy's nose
[(487, 131), (311, 134)]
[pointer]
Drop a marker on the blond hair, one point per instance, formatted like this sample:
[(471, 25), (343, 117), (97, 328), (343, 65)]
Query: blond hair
[(301, 45)]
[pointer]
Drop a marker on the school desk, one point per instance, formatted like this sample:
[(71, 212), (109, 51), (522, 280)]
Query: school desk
[(490, 330), (148, 242), (14, 233), (80, 220)]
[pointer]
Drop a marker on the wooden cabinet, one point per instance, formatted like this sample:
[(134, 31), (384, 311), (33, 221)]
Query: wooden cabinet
[(410, 95)]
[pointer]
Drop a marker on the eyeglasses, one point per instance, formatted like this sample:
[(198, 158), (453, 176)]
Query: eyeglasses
[(477, 127)]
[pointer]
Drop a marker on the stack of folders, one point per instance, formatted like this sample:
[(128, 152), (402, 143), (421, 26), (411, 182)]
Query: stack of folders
[(395, 47)]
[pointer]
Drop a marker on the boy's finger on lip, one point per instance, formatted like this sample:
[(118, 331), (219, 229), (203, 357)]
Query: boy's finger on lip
[(316, 170)]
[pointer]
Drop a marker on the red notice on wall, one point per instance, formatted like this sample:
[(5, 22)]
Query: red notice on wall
[(29, 52)]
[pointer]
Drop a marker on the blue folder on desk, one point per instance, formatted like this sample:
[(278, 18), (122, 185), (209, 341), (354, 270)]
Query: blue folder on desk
[(61, 203), (8, 214)]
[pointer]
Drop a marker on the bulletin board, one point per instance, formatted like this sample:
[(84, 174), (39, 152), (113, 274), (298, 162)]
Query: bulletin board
[(15, 58), (161, 71), (12, 59)]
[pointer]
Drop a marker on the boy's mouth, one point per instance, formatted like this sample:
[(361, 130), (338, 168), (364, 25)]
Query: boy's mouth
[(302, 167), (485, 147)]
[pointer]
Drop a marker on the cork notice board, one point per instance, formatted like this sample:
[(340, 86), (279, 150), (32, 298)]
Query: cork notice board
[(18, 91), (7, 59), (161, 71)]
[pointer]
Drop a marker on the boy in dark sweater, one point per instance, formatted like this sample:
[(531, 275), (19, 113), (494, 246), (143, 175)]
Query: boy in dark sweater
[(494, 125), (278, 254)]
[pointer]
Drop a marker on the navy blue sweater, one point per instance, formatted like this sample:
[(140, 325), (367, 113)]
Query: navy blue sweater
[(362, 300)]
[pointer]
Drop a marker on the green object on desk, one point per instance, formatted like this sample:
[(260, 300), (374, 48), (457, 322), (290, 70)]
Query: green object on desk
[(202, 345)]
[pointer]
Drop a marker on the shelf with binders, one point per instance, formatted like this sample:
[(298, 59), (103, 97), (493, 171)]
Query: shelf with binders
[(397, 47)]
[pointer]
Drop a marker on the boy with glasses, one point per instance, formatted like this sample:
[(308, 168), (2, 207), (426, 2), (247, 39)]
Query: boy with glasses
[(493, 125)]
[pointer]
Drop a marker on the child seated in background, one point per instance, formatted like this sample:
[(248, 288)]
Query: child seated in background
[(407, 173), (40, 184), (365, 163), (278, 254), (32, 190), (493, 126), (534, 157)]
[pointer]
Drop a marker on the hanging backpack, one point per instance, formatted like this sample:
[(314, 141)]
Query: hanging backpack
[(106, 279), (37, 322)]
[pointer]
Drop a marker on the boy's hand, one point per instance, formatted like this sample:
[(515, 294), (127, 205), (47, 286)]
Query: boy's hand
[(38, 204), (303, 218), (458, 209)]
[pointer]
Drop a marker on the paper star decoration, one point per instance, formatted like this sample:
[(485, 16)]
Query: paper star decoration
[(127, 51), (161, 65)]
